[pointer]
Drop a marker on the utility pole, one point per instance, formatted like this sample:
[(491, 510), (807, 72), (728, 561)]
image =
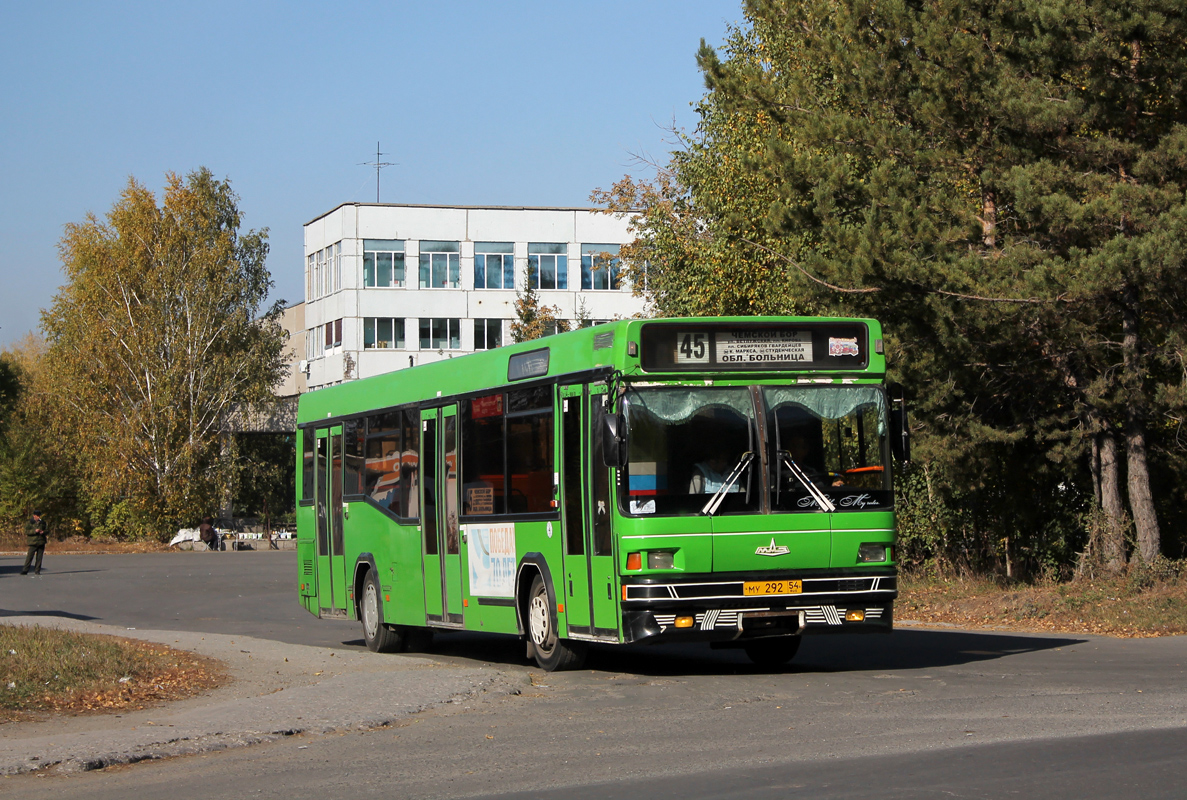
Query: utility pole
[(379, 164)]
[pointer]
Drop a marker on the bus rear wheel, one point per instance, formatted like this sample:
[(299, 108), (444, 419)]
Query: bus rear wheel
[(771, 653), (552, 653), (379, 636)]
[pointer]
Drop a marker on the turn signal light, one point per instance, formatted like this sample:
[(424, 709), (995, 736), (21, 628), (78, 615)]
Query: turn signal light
[(857, 615), (684, 622), (634, 561)]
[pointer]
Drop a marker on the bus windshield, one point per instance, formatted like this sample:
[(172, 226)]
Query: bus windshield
[(686, 444), (683, 446), (836, 437)]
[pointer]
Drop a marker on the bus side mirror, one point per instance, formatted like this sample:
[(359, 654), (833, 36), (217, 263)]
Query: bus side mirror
[(614, 440), (900, 426)]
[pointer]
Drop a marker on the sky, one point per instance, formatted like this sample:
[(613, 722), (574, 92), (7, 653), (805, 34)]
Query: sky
[(499, 103)]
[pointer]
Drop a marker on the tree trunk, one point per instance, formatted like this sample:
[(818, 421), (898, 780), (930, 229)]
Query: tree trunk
[(1094, 467), (1113, 542), (989, 217), (1141, 501)]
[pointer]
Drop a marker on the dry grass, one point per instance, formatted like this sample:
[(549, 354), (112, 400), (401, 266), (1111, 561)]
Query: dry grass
[(1132, 605), (48, 670)]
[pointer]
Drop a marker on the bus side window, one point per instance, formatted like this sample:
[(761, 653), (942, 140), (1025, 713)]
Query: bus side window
[(409, 464), (602, 543), (307, 464), (483, 445), (530, 451), (384, 483)]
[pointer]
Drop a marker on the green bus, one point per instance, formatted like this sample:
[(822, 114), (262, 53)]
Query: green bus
[(721, 480)]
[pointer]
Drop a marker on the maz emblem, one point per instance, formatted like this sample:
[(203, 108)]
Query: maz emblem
[(772, 549)]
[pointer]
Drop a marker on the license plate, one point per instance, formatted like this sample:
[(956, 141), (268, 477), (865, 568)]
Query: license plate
[(756, 588)]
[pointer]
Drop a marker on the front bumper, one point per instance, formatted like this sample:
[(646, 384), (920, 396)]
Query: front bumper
[(839, 601)]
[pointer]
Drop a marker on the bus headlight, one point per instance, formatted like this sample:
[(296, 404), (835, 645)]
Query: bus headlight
[(660, 559), (873, 552)]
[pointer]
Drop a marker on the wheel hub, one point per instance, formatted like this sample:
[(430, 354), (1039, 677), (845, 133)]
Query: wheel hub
[(370, 611), (538, 620)]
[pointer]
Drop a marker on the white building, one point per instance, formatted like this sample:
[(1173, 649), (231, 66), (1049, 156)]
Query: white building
[(390, 286)]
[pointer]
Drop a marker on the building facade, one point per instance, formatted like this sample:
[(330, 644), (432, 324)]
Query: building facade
[(391, 286)]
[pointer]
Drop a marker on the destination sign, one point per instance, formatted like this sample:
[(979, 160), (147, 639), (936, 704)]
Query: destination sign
[(763, 346), (754, 346)]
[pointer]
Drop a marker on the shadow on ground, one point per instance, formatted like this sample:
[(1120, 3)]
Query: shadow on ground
[(902, 650)]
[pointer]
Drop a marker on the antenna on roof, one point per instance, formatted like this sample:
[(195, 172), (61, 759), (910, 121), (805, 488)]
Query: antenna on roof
[(379, 164)]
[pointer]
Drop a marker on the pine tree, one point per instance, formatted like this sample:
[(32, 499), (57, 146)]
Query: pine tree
[(1002, 183)]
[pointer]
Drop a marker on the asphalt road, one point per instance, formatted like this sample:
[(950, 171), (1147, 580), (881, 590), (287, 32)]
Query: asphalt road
[(919, 713)]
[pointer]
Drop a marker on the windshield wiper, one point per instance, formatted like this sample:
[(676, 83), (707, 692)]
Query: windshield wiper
[(817, 495), (714, 501)]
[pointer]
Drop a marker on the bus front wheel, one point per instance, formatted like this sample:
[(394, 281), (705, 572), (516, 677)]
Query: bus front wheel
[(771, 653), (552, 653), (379, 636)]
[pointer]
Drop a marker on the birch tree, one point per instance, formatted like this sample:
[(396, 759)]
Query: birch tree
[(155, 337)]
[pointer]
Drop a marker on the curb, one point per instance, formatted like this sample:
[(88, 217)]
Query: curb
[(277, 690)]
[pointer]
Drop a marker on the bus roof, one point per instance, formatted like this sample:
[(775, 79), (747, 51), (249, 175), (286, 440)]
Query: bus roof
[(611, 346)]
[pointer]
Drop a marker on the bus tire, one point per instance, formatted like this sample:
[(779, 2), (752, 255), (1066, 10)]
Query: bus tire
[(771, 653), (551, 652), (379, 636)]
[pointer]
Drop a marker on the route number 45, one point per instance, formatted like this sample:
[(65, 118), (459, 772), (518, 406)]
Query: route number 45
[(692, 348)]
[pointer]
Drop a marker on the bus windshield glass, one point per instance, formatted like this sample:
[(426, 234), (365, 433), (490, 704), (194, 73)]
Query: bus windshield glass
[(684, 444), (834, 437)]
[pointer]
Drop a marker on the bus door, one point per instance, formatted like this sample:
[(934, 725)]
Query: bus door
[(576, 567), (603, 596), (331, 560), (452, 568), (438, 507)]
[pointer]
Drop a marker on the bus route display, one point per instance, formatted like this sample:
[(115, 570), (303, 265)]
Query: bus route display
[(741, 346)]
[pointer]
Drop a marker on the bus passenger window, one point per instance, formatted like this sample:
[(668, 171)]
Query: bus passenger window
[(410, 465), (382, 461), (482, 455), (530, 451)]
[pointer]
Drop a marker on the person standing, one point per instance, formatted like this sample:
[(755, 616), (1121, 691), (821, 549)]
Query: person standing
[(35, 538)]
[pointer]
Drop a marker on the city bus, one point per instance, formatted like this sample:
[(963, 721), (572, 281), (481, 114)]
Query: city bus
[(719, 480)]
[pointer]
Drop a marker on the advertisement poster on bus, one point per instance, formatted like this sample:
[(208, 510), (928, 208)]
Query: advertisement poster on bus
[(492, 560)]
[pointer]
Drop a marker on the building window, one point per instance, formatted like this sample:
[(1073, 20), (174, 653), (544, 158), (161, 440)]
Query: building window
[(310, 268), (336, 252), (494, 265), (383, 263), (383, 333), (312, 340), (555, 327), (589, 323), (488, 334), (440, 334), (548, 266), (440, 265), (599, 266), (333, 334)]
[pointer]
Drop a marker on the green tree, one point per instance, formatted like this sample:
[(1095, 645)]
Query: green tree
[(264, 485), (37, 465), (154, 339), (532, 320), (1003, 184)]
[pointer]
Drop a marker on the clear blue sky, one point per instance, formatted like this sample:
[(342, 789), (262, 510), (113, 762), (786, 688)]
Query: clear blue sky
[(505, 103)]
